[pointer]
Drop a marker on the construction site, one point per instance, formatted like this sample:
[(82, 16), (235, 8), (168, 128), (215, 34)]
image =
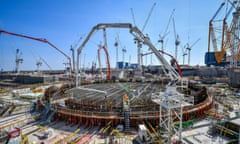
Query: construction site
[(170, 103)]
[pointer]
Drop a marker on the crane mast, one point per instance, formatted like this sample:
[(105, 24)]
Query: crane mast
[(133, 17), (123, 54), (73, 47), (18, 60), (149, 15), (162, 37), (177, 40), (189, 48), (116, 45), (73, 58), (38, 63), (139, 44)]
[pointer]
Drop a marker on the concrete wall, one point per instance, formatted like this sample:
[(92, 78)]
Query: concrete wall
[(234, 78), (28, 79)]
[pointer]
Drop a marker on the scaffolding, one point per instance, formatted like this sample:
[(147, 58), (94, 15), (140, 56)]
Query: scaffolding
[(235, 38), (171, 104), (97, 105)]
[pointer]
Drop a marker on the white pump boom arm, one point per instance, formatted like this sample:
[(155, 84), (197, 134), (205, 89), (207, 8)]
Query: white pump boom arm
[(137, 33)]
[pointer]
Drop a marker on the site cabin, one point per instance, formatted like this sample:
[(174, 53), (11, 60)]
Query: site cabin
[(142, 133)]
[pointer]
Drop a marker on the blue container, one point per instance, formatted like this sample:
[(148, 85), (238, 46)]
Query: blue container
[(126, 65), (211, 60), (120, 65), (134, 66)]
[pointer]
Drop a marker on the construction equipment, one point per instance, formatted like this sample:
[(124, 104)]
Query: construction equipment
[(216, 57), (171, 94), (221, 37), (166, 32), (142, 133), (18, 60), (149, 15), (14, 135), (176, 36), (123, 51), (107, 61), (45, 63), (177, 40), (235, 40), (172, 58), (139, 43), (116, 45), (41, 40), (133, 17), (39, 64), (189, 48), (168, 69), (73, 47), (184, 53)]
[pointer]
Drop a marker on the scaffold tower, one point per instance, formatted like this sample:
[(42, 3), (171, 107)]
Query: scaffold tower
[(171, 104)]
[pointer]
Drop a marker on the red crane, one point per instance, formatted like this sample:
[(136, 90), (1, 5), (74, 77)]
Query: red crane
[(41, 40)]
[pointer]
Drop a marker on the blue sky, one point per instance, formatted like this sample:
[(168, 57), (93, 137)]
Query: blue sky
[(63, 22)]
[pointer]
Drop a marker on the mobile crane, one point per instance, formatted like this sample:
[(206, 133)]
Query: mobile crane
[(220, 36)]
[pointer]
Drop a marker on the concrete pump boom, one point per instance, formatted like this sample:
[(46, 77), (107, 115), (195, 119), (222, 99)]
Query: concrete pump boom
[(172, 57), (137, 33), (41, 40), (107, 61)]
